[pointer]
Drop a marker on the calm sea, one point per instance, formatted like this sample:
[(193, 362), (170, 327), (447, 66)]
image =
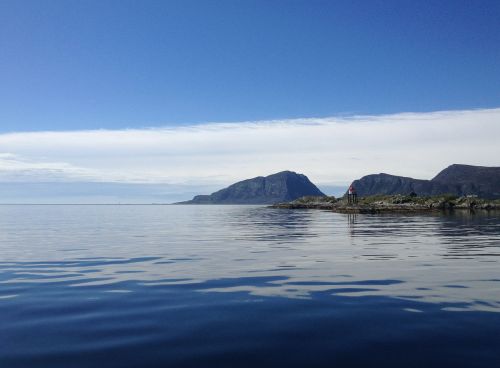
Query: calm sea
[(246, 286)]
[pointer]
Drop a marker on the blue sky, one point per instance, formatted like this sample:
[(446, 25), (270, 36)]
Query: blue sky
[(155, 101), (73, 65)]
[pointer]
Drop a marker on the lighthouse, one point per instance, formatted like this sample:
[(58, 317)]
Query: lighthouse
[(352, 196)]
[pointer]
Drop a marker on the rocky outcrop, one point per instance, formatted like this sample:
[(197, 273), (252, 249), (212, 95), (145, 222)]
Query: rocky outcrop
[(460, 180), (393, 204), (280, 187)]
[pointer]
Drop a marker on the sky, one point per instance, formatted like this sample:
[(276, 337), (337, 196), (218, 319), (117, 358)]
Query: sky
[(182, 97)]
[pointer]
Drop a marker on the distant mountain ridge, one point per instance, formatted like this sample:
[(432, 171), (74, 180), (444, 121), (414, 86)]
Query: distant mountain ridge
[(456, 179), (280, 187)]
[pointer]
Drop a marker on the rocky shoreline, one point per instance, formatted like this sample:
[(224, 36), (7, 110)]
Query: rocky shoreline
[(393, 204)]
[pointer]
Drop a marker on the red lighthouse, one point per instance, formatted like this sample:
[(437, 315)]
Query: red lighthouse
[(352, 197), (351, 189)]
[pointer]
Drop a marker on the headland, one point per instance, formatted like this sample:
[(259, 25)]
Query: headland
[(393, 204)]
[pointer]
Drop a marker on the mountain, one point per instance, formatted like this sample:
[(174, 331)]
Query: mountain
[(280, 187), (466, 179), (392, 184), (455, 179)]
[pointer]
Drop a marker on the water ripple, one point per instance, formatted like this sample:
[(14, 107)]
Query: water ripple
[(211, 281)]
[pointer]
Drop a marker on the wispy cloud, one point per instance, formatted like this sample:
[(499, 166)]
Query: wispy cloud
[(14, 168), (328, 150)]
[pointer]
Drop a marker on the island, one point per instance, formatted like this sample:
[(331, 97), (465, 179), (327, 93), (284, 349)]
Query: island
[(457, 187), (457, 179), (460, 187), (279, 187), (393, 203)]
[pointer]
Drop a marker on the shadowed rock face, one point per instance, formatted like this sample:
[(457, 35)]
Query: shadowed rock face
[(281, 187), (391, 184), (466, 179), (456, 179)]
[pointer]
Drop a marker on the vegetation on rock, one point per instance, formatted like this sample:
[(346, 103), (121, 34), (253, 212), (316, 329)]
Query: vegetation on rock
[(394, 203)]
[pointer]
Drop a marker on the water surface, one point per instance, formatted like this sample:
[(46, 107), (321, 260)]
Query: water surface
[(226, 286)]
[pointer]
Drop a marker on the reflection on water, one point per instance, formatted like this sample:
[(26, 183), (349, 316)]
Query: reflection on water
[(146, 276), (106, 245)]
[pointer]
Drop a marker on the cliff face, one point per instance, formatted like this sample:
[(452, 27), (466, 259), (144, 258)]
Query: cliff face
[(390, 184), (279, 187), (455, 179), (466, 179)]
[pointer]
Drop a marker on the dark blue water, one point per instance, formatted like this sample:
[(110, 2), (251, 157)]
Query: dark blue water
[(243, 286)]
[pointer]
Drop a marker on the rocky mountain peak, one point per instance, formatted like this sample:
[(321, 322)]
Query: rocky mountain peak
[(278, 187)]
